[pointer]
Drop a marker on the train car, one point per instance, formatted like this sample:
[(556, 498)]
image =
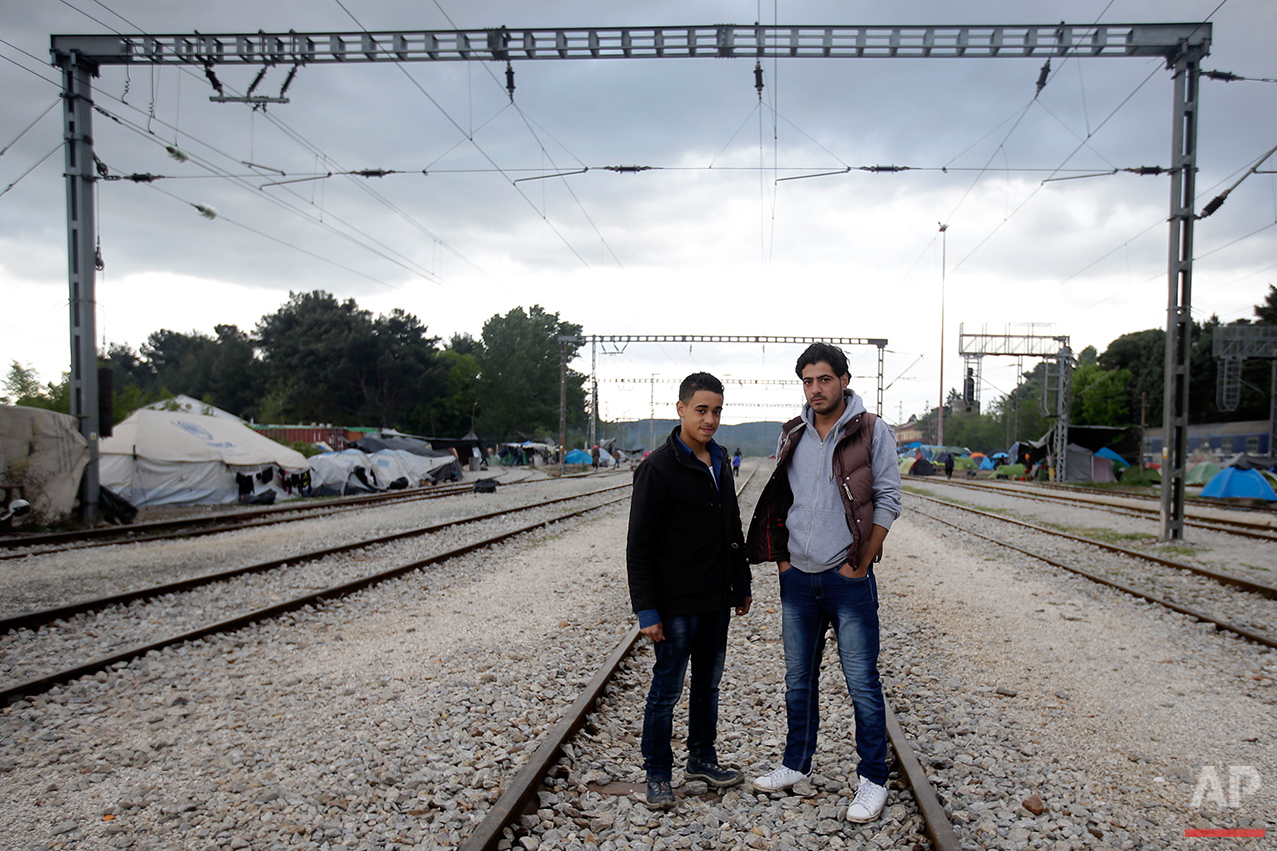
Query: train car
[(1216, 440)]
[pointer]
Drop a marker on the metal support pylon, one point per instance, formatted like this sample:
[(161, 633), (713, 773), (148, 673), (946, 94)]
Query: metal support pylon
[(77, 123), (1179, 321)]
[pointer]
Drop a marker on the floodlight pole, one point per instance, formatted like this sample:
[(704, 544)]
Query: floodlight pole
[(944, 251), (77, 124)]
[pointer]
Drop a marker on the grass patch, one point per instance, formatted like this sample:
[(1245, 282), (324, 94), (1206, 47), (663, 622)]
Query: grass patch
[(1108, 536)]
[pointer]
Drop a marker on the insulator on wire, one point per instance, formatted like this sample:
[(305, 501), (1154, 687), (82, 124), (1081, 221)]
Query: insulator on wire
[(288, 81), (1224, 76), (1213, 205), (509, 80), (758, 78), (212, 78), (177, 153), (1042, 75), (253, 86)]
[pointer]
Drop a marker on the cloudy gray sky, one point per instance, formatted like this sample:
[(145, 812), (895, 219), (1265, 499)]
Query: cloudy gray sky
[(708, 241)]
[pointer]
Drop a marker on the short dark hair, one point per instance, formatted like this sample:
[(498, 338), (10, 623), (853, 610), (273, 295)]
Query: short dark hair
[(826, 353), (698, 381)]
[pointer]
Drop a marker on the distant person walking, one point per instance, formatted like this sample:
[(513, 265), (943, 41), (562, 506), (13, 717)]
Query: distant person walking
[(948, 465), (594, 456), (685, 559), (823, 517), (736, 464)]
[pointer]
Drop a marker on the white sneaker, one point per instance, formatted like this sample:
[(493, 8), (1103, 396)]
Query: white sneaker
[(869, 800), (781, 778)]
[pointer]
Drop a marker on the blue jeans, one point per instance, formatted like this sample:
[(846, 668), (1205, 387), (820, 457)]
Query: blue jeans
[(810, 602), (702, 640)]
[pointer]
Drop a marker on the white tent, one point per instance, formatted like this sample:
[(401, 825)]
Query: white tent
[(392, 464), (42, 456), (174, 458), (333, 473), (187, 405)]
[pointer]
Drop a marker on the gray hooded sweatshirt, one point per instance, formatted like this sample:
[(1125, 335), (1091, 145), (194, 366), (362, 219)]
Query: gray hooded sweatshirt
[(819, 537)]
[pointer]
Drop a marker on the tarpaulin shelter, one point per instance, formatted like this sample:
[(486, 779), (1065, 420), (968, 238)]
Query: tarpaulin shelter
[(1235, 482), (173, 458), (1118, 461), (42, 457), (392, 465), (342, 473), (578, 456)]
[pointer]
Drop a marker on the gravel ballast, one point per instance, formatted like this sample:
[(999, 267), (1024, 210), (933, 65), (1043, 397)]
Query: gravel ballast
[(392, 719)]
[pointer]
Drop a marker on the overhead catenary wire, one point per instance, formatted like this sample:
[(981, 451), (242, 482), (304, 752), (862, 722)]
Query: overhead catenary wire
[(292, 134)]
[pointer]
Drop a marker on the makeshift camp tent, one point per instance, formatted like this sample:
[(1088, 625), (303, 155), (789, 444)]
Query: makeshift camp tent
[(1200, 474), (578, 456), (42, 457), (174, 458), (1137, 476), (392, 465), (342, 473), (1083, 465), (1238, 483), (1118, 461), (188, 405), (987, 464), (922, 467)]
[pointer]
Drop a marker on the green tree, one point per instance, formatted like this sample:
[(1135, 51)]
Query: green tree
[(1143, 355), (330, 361), (1100, 396), (453, 413), (519, 374), (180, 363), (237, 377), (22, 382), (1267, 312)]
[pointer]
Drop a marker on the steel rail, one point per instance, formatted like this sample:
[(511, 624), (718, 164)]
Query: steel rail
[(1250, 635), (36, 619), (1261, 531), (1202, 501), (515, 800), (1222, 578), (194, 526), (43, 683)]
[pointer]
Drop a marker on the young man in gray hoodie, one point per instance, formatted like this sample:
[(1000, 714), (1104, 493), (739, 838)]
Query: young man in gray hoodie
[(822, 518)]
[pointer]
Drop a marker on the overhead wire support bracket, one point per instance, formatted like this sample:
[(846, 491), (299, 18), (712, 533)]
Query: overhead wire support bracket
[(556, 174)]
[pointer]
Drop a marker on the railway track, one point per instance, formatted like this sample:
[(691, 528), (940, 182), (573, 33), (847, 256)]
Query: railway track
[(1171, 583), (519, 797), (209, 593), (1263, 528)]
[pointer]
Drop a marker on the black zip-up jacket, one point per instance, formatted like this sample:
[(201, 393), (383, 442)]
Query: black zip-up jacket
[(685, 553)]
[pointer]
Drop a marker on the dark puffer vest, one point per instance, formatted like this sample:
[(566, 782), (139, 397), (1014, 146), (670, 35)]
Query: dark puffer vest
[(768, 538)]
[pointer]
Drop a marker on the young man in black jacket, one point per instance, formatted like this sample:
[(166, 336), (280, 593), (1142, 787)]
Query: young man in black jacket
[(687, 571)]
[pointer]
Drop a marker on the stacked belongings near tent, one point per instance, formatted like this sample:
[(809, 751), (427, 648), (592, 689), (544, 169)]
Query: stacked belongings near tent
[(176, 458)]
